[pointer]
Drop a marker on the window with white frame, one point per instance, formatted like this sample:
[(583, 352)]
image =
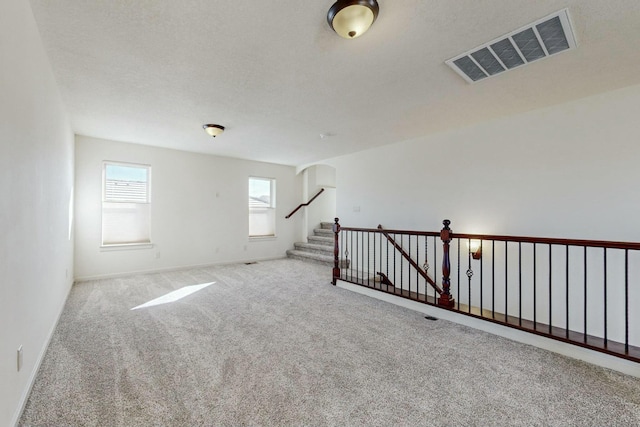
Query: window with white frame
[(262, 204), (126, 204)]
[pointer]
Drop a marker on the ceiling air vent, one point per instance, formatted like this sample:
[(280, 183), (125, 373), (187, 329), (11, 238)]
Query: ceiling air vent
[(543, 38)]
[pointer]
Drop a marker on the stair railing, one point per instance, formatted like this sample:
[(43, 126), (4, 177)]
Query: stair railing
[(583, 292), (304, 204), (395, 261), (406, 256)]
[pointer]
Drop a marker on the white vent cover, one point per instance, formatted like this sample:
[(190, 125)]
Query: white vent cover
[(543, 38)]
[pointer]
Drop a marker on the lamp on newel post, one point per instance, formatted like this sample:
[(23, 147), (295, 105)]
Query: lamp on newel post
[(445, 298), (336, 252)]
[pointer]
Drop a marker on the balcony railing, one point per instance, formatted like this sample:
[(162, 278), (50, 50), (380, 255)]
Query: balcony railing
[(584, 292)]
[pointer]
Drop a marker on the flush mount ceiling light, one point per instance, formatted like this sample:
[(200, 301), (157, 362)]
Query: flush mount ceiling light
[(352, 18), (213, 130)]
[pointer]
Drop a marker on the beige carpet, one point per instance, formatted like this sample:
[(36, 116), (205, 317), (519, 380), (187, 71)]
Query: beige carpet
[(274, 343)]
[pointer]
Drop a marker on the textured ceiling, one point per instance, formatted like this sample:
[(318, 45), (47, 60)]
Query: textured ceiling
[(153, 71)]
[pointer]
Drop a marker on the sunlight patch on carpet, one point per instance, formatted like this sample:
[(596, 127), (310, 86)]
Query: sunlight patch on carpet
[(174, 296)]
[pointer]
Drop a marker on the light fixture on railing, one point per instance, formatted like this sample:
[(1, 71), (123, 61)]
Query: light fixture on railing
[(213, 130), (352, 18), (475, 248)]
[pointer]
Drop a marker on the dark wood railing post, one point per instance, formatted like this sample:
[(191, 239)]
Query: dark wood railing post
[(336, 252), (445, 297)]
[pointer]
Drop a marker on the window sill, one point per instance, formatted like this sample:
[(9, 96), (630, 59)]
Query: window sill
[(126, 246), (260, 238)]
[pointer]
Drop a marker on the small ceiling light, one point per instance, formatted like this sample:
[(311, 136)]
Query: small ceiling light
[(352, 18), (213, 130)]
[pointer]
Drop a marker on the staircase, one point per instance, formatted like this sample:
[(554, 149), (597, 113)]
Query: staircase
[(318, 248)]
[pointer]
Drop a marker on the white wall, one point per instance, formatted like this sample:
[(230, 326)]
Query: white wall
[(199, 210), (36, 167), (322, 209), (566, 171)]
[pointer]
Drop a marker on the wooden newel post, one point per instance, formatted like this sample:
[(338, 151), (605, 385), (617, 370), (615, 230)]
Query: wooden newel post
[(336, 252), (445, 297)]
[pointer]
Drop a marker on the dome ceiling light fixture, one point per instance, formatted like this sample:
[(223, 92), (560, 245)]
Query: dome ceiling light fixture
[(213, 130), (352, 18)]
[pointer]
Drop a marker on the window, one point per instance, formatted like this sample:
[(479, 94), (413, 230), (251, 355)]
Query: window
[(262, 204), (126, 204)]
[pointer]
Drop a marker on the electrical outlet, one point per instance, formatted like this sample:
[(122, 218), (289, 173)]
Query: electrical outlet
[(66, 273), (245, 247), (356, 208), (158, 255), (19, 358)]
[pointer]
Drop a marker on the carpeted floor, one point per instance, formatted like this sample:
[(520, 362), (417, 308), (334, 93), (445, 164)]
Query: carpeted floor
[(274, 343)]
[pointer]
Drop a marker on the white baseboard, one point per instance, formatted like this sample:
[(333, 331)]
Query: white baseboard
[(32, 376), (167, 269), (594, 357)]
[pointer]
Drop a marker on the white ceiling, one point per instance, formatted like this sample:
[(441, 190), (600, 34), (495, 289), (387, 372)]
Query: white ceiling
[(154, 71)]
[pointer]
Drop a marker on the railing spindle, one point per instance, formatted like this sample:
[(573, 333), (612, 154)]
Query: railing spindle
[(535, 297), (418, 275), (469, 273), (481, 277), (368, 259), (626, 301), (336, 252), (380, 255), (374, 260), (585, 294), (458, 268), (356, 257), (550, 289), (354, 261), (493, 279), (606, 342), (567, 291), (362, 269), (435, 266), (506, 282), (387, 272), (342, 245), (519, 283), (402, 264)]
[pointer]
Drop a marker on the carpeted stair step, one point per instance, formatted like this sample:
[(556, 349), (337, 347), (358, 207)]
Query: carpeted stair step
[(316, 249), (321, 240), (326, 225), (323, 232), (310, 256)]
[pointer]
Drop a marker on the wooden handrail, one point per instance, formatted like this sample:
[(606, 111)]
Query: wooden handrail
[(550, 241), (502, 238), (411, 261), (304, 204), (376, 230)]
